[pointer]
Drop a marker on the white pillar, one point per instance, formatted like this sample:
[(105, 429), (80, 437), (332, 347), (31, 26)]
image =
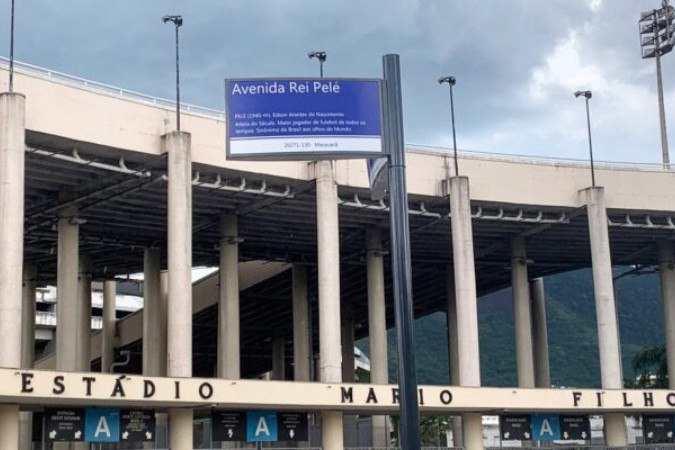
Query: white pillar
[(667, 276), (109, 321), (377, 326), (605, 310), (229, 359), (180, 429), (12, 149), (27, 346), (522, 321), (301, 351), (329, 295), (84, 316), (540, 334), (453, 350), (68, 300), (466, 303), (179, 233), (154, 315)]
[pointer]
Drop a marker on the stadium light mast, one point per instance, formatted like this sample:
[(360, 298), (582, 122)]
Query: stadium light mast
[(178, 22), (656, 39), (451, 82), (587, 95)]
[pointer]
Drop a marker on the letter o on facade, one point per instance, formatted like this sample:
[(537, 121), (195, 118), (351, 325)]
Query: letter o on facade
[(446, 397), (670, 398), (205, 391)]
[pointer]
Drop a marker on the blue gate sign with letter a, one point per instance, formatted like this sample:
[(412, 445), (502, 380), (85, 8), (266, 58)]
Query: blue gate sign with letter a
[(261, 426), (102, 425), (545, 427)]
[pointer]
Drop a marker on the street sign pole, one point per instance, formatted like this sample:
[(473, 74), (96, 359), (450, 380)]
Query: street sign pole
[(400, 256)]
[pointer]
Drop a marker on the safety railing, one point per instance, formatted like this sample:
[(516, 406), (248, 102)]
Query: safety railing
[(48, 319)]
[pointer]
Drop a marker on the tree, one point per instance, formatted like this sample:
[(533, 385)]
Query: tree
[(650, 368)]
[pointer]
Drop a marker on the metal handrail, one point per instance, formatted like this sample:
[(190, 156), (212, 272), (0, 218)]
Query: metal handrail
[(127, 94), (95, 86), (48, 319)]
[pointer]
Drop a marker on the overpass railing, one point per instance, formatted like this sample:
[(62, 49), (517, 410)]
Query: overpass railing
[(82, 83)]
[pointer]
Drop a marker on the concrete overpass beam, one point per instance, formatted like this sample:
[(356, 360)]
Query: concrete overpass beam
[(377, 326), (179, 333), (522, 320), (229, 359), (605, 309), (667, 275), (467, 311), (542, 376), (328, 237)]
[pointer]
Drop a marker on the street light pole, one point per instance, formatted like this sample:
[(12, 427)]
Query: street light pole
[(178, 22), (451, 82), (321, 56), (587, 95), (11, 50)]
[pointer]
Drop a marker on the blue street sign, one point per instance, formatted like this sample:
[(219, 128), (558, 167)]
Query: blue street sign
[(261, 426), (303, 118), (545, 427), (102, 425)]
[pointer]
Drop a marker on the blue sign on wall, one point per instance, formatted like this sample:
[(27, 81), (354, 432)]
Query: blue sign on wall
[(261, 426), (303, 118), (545, 427), (102, 425)]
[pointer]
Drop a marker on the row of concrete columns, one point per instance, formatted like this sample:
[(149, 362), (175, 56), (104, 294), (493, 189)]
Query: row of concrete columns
[(169, 296)]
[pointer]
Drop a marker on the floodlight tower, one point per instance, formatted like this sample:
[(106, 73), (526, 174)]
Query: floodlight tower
[(321, 56), (656, 32)]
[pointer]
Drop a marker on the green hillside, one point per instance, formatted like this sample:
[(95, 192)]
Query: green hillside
[(571, 327)]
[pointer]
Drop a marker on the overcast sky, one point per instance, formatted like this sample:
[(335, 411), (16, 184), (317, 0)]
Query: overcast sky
[(517, 62)]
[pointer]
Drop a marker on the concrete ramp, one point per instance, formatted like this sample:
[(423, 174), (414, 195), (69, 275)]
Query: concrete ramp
[(204, 295)]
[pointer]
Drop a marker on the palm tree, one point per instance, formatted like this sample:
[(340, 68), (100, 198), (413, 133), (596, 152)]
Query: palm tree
[(650, 367)]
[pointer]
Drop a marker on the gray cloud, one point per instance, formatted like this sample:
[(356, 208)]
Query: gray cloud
[(517, 61)]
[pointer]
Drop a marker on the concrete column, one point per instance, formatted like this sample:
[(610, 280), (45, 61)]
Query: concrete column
[(453, 350), (180, 429), (605, 309), (467, 311), (377, 326), (12, 149), (27, 346), (228, 304), (542, 376), (301, 352), (667, 276), (522, 321), (84, 315), (68, 300), (347, 337), (329, 295), (109, 321), (278, 359), (154, 315), (179, 250), (28, 316)]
